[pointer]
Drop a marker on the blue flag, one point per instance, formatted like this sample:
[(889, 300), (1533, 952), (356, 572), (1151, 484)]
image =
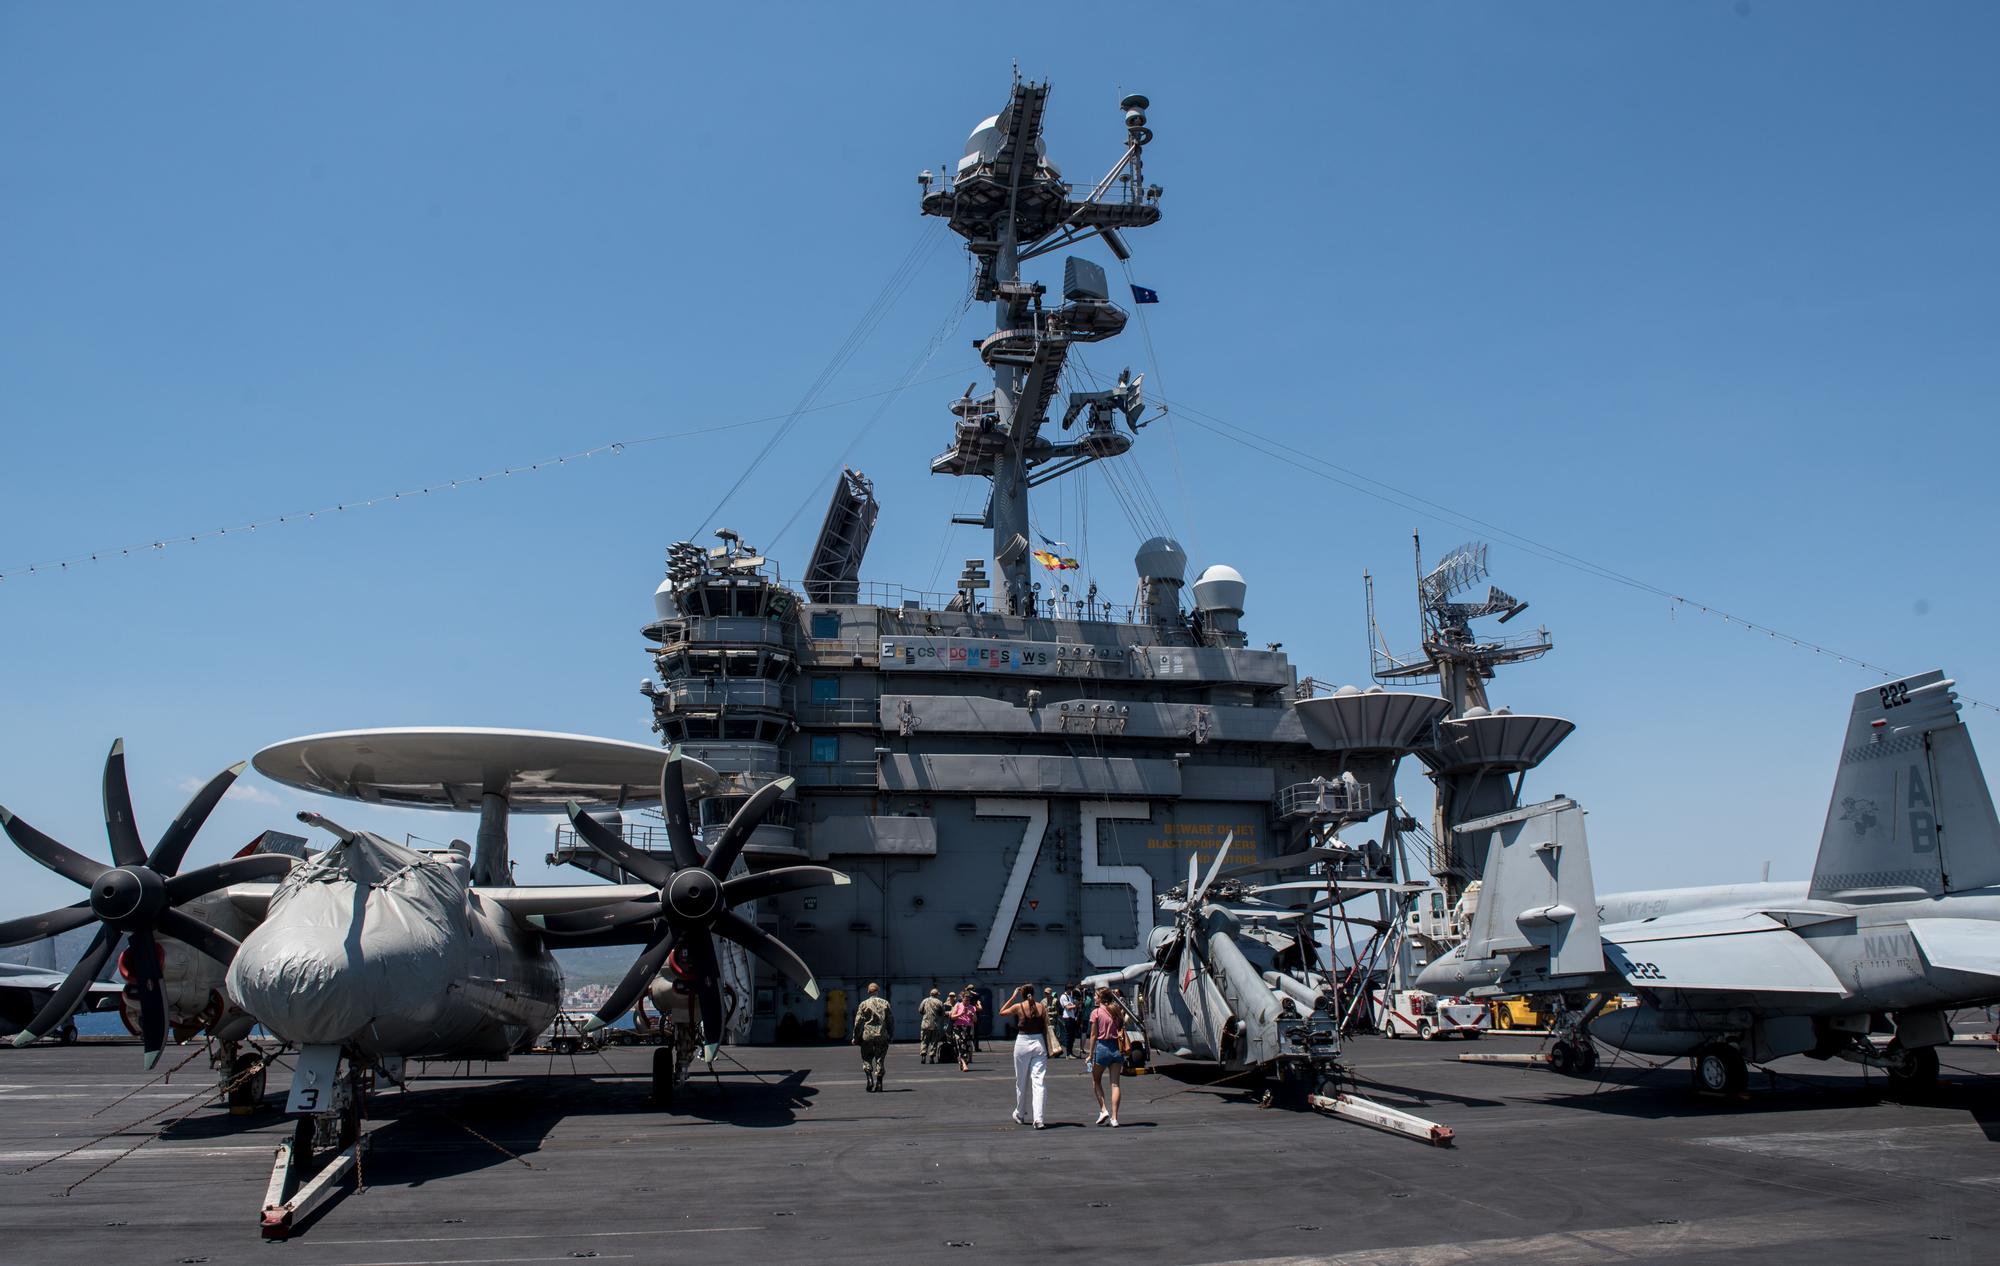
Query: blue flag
[(1140, 294)]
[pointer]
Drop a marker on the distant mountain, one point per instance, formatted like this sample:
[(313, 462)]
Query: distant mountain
[(598, 965)]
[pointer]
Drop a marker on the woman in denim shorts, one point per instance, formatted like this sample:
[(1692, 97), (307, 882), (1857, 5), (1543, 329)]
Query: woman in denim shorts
[(1107, 1033)]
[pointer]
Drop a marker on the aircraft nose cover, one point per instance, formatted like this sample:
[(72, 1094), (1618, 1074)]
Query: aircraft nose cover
[(365, 931)]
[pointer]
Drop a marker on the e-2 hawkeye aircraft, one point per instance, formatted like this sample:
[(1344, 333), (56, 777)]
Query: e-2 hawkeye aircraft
[(1899, 923), (372, 953)]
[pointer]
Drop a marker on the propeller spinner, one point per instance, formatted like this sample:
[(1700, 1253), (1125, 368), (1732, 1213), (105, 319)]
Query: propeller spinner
[(133, 899), (692, 906)]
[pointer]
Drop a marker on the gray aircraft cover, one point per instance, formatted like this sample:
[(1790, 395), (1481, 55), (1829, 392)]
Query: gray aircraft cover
[(310, 964)]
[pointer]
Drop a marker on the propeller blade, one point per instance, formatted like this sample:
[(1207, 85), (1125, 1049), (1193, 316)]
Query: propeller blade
[(1214, 869), (33, 927), (190, 931), (769, 883), (173, 846), (674, 799), (637, 977), (63, 1002), (237, 870), (126, 849), (741, 823), (602, 918), (142, 959), (638, 863), (775, 953), (62, 861)]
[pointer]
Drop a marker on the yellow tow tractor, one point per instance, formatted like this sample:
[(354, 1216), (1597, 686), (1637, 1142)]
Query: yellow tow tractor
[(1518, 1013)]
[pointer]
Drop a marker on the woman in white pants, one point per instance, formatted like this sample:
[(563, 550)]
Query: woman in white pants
[(1031, 1054)]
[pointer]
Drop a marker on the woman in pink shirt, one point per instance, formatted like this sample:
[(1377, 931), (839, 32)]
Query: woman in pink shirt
[(1107, 1051), (963, 1014)]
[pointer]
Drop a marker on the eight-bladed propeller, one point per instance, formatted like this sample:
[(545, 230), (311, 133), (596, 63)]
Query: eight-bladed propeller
[(134, 899), (692, 905)]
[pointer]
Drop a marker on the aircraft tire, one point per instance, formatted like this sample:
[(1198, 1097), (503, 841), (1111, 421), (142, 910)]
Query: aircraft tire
[(1586, 1058), (1916, 1071), (1719, 1070), (1562, 1058), (663, 1078), (248, 1088)]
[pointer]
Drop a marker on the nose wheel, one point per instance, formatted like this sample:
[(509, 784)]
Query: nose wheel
[(1574, 1057)]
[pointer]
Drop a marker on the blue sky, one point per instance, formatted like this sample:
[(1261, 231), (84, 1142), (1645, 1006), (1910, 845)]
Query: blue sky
[(1700, 291)]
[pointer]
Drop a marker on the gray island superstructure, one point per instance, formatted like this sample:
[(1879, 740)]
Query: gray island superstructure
[(1012, 773)]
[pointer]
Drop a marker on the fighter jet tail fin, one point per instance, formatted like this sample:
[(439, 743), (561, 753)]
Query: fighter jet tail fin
[(1910, 809), (1536, 892)]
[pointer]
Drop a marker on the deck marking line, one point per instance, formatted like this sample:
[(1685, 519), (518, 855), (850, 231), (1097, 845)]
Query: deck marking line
[(1589, 1247), (549, 1235)]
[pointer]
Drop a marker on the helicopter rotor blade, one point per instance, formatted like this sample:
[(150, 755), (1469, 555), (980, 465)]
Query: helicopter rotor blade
[(1214, 869)]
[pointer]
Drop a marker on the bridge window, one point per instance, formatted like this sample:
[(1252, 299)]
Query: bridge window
[(825, 749)]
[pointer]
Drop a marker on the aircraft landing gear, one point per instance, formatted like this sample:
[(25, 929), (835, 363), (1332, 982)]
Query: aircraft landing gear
[(326, 1145), (664, 1078), (246, 1079), (1573, 1057), (1719, 1070), (1911, 1069)]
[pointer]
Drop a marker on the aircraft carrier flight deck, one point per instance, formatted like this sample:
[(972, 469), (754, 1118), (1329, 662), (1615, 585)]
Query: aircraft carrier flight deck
[(1819, 1165)]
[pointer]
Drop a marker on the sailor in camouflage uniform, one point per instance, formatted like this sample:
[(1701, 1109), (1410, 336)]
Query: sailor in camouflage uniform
[(874, 1028), (933, 1018)]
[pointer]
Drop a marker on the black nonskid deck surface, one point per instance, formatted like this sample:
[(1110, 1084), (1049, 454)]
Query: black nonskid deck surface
[(785, 1158)]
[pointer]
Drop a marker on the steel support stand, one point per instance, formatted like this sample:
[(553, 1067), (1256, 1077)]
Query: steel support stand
[(1382, 1117), (283, 1216)]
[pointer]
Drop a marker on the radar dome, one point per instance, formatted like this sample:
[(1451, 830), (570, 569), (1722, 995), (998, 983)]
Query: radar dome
[(665, 606), (983, 146), (1219, 588), (1161, 558)]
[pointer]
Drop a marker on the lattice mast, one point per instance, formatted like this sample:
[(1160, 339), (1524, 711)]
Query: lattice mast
[(1011, 205)]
